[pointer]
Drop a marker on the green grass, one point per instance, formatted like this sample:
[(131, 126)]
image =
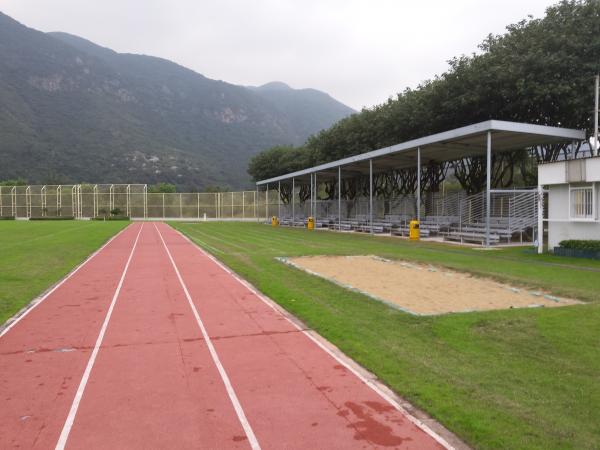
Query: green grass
[(520, 379), (34, 255)]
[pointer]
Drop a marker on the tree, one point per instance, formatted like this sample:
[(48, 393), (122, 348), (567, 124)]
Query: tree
[(162, 188), (15, 182), (540, 71)]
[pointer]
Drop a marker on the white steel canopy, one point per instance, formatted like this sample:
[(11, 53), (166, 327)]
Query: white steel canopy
[(470, 140)]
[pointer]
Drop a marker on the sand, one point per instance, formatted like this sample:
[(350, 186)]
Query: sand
[(422, 289)]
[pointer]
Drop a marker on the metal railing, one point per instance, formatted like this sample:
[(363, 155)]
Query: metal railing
[(83, 201)]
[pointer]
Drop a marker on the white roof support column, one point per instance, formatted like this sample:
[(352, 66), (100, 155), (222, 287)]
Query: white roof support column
[(488, 187), (310, 211), (419, 183), (316, 194), (339, 198), (267, 202), (371, 195)]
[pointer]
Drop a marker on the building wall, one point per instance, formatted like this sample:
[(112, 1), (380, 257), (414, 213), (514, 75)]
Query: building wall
[(559, 225)]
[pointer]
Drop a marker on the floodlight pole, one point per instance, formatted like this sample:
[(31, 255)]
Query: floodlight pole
[(488, 197), (540, 230), (339, 198), (371, 195), (419, 183), (596, 149)]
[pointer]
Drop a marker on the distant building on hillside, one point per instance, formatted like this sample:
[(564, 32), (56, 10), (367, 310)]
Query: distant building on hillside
[(573, 199)]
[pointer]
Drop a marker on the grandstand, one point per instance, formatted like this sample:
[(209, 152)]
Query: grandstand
[(489, 217)]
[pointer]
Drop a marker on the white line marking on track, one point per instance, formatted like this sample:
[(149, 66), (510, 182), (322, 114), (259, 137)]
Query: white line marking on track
[(56, 286), (64, 435), (270, 303), (215, 357)]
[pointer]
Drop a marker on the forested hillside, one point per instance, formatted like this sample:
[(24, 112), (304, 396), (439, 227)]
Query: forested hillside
[(72, 111)]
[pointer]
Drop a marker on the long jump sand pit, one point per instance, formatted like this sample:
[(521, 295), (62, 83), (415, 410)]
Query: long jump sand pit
[(421, 289)]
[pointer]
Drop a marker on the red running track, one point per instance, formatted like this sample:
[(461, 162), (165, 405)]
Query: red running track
[(153, 344)]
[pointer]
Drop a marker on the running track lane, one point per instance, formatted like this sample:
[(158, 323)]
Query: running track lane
[(43, 356), (158, 382), (294, 394)]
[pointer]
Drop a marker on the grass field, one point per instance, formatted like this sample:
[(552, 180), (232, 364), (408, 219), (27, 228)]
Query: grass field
[(34, 255), (520, 379)]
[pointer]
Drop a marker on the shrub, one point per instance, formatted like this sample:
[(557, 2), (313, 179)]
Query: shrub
[(53, 218), (111, 218), (581, 244)]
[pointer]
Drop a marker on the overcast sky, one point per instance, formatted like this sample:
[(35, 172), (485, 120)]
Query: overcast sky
[(359, 51)]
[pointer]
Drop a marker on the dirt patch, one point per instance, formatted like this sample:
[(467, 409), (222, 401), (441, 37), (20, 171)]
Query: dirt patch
[(422, 289)]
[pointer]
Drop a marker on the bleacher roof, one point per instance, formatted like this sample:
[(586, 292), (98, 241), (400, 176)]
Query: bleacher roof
[(450, 145)]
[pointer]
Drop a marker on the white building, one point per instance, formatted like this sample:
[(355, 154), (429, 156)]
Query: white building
[(573, 199)]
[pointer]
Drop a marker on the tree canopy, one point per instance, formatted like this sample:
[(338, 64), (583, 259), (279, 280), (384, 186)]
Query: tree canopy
[(540, 71)]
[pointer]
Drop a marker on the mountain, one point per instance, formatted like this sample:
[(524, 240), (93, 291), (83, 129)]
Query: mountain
[(73, 111), (308, 109)]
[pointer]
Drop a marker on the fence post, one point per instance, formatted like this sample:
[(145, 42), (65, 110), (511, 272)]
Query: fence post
[(28, 201), (13, 202), (44, 201)]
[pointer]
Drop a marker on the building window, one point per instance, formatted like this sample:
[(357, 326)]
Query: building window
[(582, 203)]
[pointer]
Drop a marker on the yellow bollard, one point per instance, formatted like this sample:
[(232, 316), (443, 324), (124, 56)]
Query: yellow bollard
[(413, 230), (274, 221), (310, 224)]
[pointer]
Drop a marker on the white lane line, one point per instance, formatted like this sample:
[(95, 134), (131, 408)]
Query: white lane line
[(270, 303), (36, 302), (64, 435), (215, 357)]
